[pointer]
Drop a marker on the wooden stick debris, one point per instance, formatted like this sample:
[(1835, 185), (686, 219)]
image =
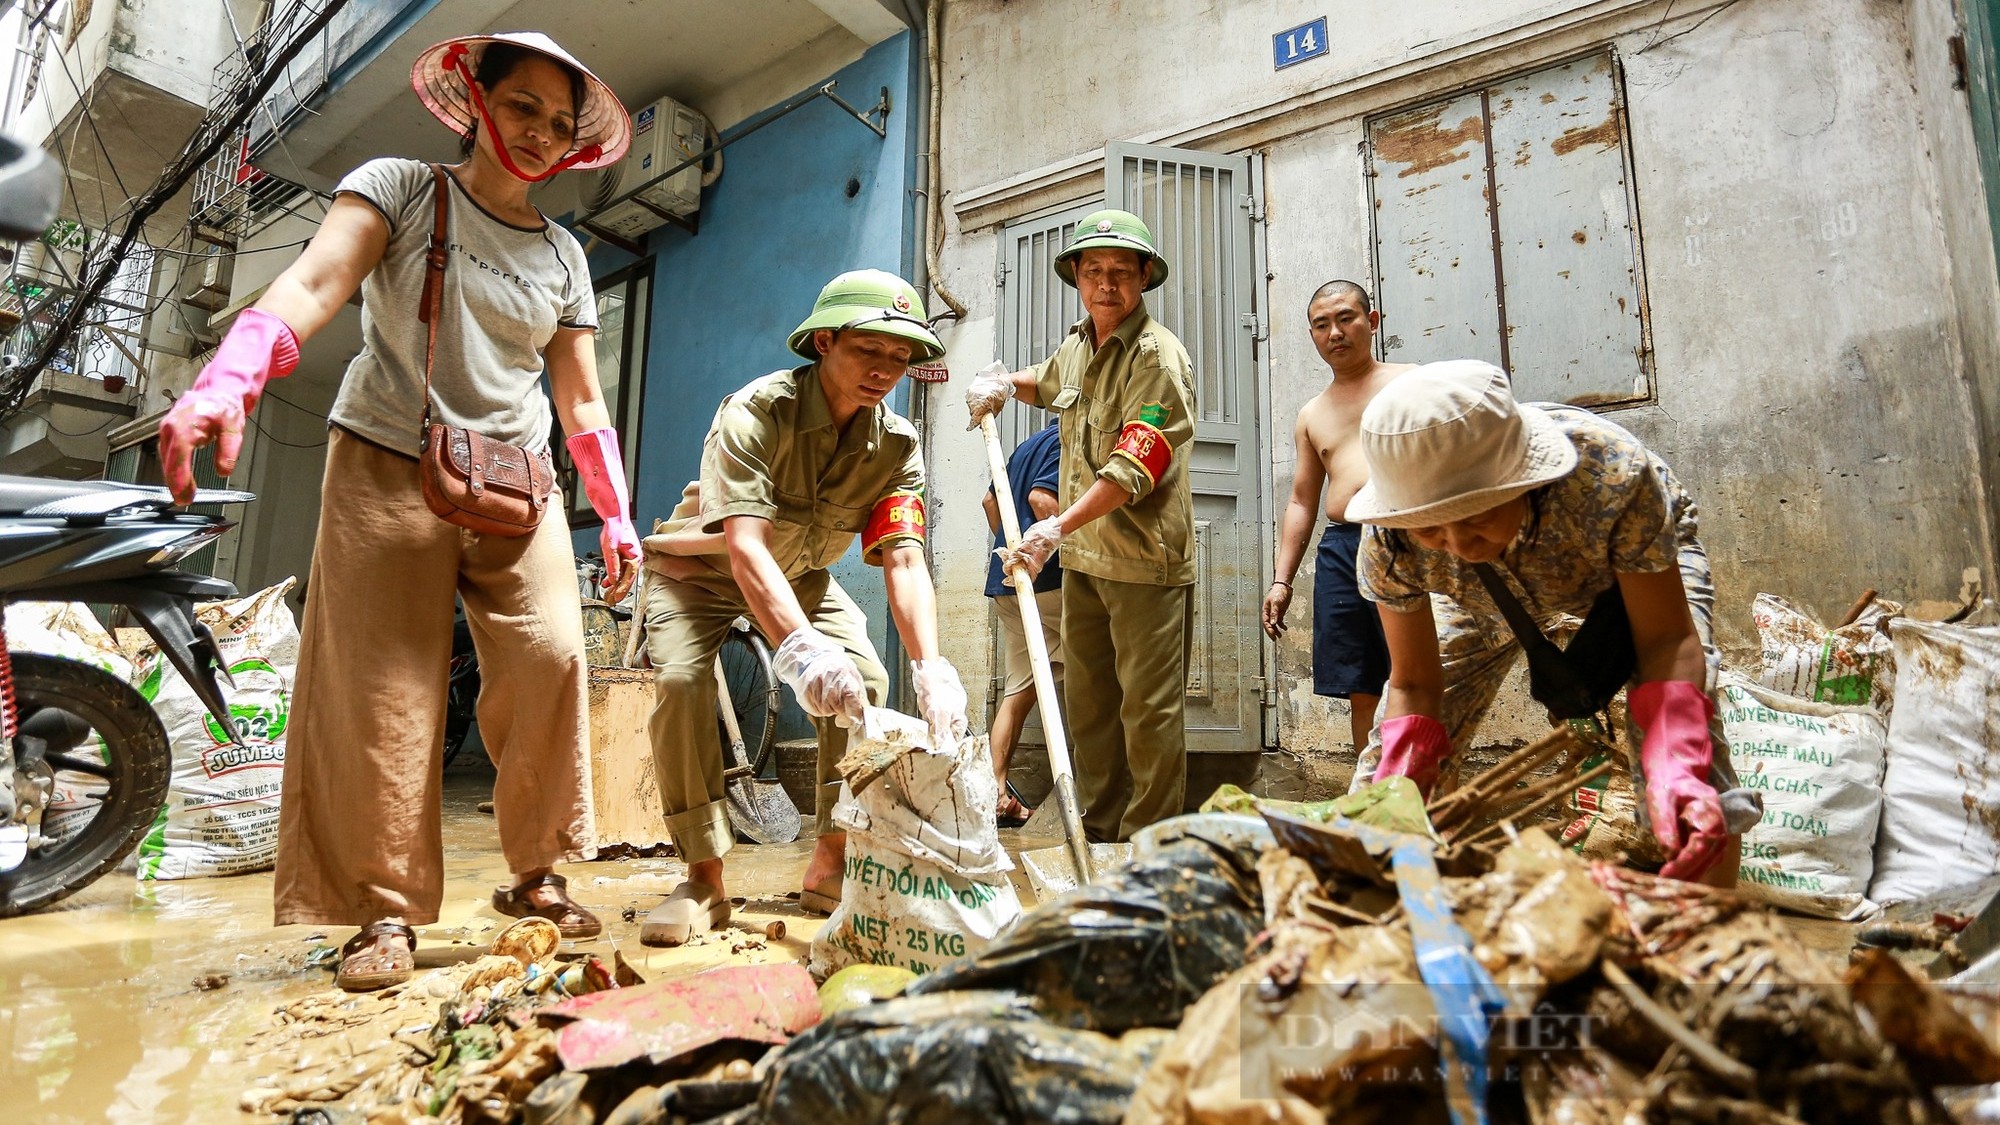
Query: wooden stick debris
[(1700, 1050)]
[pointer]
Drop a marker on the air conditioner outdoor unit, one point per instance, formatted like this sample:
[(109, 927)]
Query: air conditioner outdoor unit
[(205, 280), (664, 134)]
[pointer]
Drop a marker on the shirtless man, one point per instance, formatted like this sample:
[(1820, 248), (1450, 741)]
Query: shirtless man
[(1350, 658)]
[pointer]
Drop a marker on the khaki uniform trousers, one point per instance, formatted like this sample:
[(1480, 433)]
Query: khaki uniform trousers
[(1125, 693), (686, 623), (359, 836)]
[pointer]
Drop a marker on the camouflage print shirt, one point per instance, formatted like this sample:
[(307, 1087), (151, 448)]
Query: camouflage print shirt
[(1620, 511)]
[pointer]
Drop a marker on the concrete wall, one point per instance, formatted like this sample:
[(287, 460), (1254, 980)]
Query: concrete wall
[(1819, 274), (777, 226)]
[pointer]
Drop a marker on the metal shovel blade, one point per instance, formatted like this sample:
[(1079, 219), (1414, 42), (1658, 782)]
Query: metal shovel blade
[(760, 811)]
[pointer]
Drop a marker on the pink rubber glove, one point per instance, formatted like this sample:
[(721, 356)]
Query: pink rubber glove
[(1677, 756), (1038, 545), (259, 347), (601, 467), (1413, 746)]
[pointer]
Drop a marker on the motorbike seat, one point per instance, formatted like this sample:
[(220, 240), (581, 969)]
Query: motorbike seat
[(22, 494)]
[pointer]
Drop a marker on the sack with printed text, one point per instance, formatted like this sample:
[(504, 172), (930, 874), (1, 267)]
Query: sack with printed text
[(221, 816), (926, 878), (71, 631), (1819, 769), (1941, 793), (1853, 664)]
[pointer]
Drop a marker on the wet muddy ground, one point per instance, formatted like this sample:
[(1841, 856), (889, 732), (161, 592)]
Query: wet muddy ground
[(129, 1002)]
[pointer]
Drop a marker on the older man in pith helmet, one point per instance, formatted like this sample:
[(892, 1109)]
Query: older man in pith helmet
[(1122, 388)]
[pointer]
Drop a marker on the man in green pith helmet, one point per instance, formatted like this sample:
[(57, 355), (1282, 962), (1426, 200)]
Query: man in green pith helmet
[(795, 466), (1123, 390)]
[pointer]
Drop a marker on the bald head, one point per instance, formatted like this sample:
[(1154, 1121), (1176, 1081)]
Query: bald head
[(1342, 289)]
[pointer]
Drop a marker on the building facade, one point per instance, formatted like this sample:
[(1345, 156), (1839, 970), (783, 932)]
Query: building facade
[(1754, 232)]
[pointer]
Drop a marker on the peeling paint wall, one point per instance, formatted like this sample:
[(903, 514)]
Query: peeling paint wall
[(1818, 272)]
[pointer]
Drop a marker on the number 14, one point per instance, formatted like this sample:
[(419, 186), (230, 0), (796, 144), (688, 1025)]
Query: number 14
[(1304, 40)]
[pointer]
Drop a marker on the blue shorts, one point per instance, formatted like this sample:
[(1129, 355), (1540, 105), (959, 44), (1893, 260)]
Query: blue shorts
[(1350, 655)]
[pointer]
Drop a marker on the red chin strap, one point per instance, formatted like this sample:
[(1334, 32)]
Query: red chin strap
[(454, 59)]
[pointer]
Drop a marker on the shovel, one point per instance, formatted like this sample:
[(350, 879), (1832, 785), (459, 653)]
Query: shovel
[(759, 810), (1082, 869)]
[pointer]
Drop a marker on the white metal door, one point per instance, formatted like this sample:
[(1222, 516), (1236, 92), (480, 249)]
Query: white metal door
[(1201, 211)]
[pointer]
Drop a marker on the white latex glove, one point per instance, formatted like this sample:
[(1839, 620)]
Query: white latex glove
[(1038, 545), (822, 675), (990, 390), (941, 700)]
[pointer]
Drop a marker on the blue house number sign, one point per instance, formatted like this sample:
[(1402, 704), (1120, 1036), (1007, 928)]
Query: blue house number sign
[(1297, 44)]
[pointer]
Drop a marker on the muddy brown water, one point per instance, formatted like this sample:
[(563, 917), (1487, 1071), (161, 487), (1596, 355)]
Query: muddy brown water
[(104, 1015)]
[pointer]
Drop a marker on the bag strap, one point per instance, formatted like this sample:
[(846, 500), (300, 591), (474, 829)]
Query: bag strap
[(433, 299), (1553, 677)]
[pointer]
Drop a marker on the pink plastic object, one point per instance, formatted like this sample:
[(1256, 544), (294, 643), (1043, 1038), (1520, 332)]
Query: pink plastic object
[(1677, 756), (1413, 746), (259, 347), (661, 1021), (601, 467)]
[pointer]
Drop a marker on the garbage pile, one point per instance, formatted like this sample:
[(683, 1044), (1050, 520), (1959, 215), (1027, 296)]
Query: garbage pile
[(1328, 971)]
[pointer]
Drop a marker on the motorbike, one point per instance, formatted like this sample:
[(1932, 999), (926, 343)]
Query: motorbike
[(69, 726)]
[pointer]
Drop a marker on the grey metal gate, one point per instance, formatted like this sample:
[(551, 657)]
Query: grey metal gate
[(1200, 208), (1505, 230)]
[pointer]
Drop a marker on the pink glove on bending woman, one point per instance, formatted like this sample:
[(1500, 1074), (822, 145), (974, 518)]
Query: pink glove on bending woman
[(1677, 755), (1413, 746), (601, 467), (259, 347)]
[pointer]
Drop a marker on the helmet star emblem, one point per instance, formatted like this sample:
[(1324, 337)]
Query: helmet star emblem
[(1104, 226)]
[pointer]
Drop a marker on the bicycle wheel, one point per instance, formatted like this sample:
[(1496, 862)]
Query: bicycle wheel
[(753, 692)]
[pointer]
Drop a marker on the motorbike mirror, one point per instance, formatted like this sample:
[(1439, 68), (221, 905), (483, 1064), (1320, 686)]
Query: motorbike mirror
[(30, 190)]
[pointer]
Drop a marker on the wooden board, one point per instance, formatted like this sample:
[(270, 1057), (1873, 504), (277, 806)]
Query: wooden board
[(626, 796)]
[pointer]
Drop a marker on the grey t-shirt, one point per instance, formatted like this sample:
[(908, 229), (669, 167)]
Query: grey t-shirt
[(506, 289)]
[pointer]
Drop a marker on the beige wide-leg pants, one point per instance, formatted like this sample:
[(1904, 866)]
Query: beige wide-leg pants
[(686, 622), (359, 836)]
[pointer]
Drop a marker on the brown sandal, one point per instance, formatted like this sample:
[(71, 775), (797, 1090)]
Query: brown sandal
[(365, 965), (573, 920)]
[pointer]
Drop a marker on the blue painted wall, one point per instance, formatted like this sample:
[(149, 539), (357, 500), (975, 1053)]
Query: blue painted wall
[(777, 226)]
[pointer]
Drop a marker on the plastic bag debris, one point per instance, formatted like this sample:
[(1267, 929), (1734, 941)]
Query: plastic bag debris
[(945, 1059), (1134, 949)]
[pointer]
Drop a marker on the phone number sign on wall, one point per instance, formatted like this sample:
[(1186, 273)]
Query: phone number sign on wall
[(1297, 44)]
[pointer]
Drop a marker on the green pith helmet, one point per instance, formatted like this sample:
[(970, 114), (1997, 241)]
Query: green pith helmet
[(869, 301), (1112, 229)]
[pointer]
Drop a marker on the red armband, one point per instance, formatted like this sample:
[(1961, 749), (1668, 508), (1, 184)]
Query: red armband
[(898, 516), (1145, 446)]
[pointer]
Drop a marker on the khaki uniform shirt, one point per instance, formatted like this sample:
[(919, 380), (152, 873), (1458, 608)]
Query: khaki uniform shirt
[(773, 452), (1141, 372)]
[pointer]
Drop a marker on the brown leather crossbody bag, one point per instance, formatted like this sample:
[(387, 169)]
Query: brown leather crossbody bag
[(469, 479)]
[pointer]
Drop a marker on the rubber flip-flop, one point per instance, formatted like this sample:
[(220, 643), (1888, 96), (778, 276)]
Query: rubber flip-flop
[(822, 898), (693, 908), (365, 966)]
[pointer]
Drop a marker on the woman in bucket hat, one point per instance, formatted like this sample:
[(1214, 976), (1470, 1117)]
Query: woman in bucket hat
[(1490, 505), (359, 838)]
